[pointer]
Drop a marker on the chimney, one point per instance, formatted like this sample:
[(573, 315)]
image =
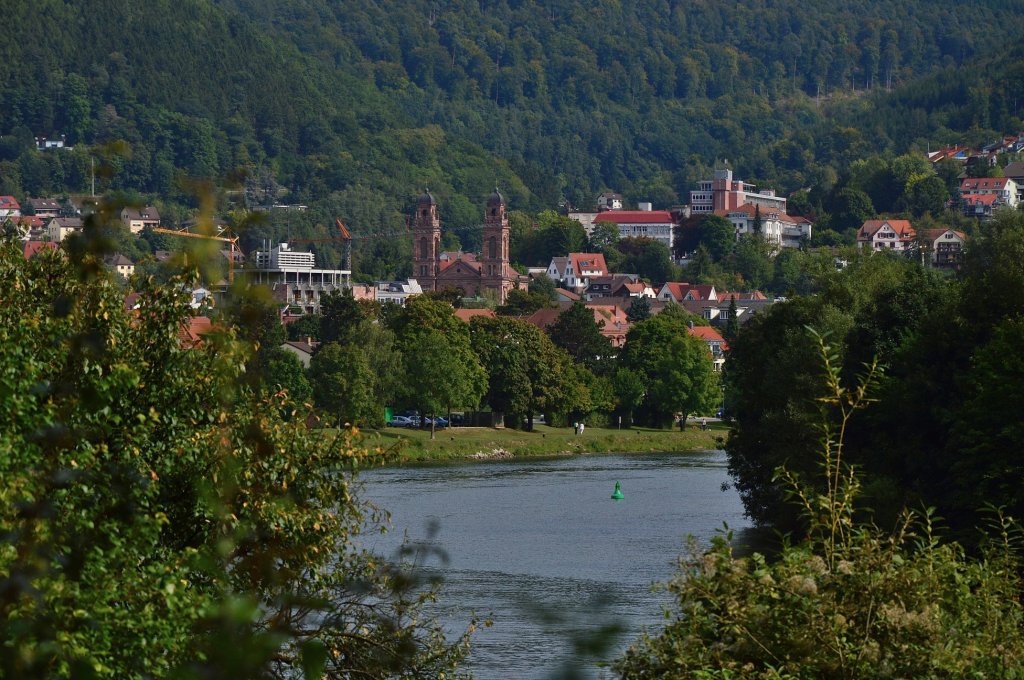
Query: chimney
[(691, 325)]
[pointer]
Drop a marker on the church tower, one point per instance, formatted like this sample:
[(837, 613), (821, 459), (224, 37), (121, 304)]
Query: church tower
[(426, 245), (494, 260)]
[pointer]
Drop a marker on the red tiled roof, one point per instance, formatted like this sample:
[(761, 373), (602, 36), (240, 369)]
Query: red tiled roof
[(708, 334), (990, 183), (903, 228), (33, 248), (567, 294), (677, 290), (191, 330), (467, 314), (9, 203), (635, 217), (984, 199), (589, 261)]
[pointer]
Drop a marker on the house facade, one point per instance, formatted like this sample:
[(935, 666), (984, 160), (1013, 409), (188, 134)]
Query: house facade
[(657, 225), (137, 219), (59, 228), (784, 230), (9, 207), (576, 271), (979, 196), (893, 235), (945, 247)]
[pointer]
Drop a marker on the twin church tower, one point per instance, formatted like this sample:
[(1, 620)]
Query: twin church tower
[(470, 274)]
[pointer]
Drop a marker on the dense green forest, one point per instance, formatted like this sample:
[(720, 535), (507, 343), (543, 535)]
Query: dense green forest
[(353, 109)]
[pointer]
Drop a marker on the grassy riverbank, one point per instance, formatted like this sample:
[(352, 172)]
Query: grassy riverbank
[(407, 445)]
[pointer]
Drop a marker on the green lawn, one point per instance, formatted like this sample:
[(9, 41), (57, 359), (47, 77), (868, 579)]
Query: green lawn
[(410, 445)]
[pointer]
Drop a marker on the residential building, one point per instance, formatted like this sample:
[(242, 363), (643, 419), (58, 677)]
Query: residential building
[(137, 219), (677, 292), (786, 231), (956, 153), (119, 264), (44, 208), (611, 317), (717, 345), (944, 247), (622, 286), (59, 228), (724, 193), (575, 271), (657, 225), (9, 207), (609, 201), (302, 349), (1015, 171), (979, 196), (893, 235)]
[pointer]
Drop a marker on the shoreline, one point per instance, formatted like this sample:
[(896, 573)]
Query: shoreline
[(482, 444)]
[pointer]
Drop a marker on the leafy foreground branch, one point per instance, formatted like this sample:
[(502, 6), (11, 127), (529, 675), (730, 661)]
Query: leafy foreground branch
[(163, 518), (849, 601)]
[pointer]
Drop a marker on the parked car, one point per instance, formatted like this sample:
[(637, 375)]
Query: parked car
[(438, 421), (400, 421)]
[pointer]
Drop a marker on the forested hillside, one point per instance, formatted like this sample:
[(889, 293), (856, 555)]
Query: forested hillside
[(354, 107)]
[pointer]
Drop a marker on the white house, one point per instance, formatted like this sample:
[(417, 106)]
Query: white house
[(777, 227), (653, 224), (575, 271), (895, 235)]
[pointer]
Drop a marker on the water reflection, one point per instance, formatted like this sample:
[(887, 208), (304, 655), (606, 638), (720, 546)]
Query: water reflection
[(541, 549)]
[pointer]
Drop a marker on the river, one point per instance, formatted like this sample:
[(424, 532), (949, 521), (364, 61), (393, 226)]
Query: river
[(540, 548)]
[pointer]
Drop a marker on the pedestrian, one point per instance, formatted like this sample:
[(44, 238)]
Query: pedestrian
[(703, 423), (576, 428), (581, 427)]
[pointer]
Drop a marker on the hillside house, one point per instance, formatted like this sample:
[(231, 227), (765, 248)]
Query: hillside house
[(575, 271), (9, 207), (59, 228), (784, 230), (893, 235), (137, 219), (979, 196), (944, 247)]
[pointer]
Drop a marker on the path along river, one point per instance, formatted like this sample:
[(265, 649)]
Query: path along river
[(529, 538)]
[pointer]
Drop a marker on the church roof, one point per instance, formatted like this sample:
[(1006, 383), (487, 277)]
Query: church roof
[(495, 198)]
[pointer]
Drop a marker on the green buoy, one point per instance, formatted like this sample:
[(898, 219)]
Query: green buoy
[(617, 494)]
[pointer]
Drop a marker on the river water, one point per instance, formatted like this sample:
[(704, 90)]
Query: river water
[(540, 548)]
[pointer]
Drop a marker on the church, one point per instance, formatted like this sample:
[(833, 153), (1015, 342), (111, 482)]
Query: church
[(470, 274)]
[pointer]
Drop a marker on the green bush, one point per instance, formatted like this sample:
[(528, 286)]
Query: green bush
[(848, 601)]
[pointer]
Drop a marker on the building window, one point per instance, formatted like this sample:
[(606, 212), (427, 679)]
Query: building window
[(492, 247)]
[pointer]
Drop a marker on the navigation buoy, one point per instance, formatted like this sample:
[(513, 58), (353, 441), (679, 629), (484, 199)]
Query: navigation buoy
[(617, 494)]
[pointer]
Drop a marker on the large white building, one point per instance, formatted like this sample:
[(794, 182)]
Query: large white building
[(292, 277), (653, 224), (777, 227)]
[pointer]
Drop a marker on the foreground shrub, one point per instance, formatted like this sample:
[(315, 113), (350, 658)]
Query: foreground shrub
[(849, 601)]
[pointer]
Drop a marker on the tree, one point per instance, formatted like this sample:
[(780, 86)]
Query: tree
[(630, 391), (441, 370), (850, 209), (578, 333), (816, 608), (647, 258), (307, 326), (342, 384), (717, 235), (284, 370), (527, 373), (603, 237), (639, 309), (523, 303), (128, 456), (675, 366), (341, 318)]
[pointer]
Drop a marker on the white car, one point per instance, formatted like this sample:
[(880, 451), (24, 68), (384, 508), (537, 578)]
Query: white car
[(401, 421)]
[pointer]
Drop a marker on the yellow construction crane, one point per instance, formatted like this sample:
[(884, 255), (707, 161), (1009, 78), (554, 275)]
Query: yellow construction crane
[(233, 241)]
